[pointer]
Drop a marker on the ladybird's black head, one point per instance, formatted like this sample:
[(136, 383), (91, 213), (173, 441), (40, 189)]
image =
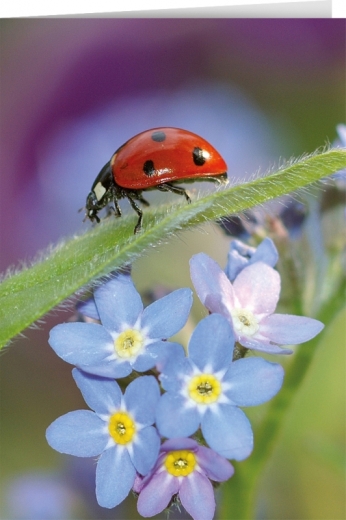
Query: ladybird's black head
[(92, 207)]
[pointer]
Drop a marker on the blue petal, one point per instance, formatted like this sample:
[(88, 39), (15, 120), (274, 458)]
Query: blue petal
[(88, 308), (228, 432), (141, 398), (174, 370), (174, 351), (81, 343), (197, 496), (80, 433), (118, 303), (110, 368), (101, 394), (212, 343), (253, 381), (174, 419), (146, 449), (115, 475), (166, 316)]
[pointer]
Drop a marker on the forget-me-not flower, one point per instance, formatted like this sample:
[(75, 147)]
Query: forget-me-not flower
[(249, 304), (127, 337), (184, 469), (205, 389), (119, 430)]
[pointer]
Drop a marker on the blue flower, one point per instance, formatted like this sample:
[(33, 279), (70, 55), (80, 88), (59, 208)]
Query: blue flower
[(241, 255), (249, 304), (128, 337), (206, 389), (119, 430), (184, 469)]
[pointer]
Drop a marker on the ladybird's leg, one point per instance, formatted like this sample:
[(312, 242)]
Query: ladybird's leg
[(174, 189), (117, 210), (142, 199), (131, 196)]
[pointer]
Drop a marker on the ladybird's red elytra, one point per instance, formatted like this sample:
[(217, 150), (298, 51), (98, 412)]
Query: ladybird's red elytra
[(154, 159)]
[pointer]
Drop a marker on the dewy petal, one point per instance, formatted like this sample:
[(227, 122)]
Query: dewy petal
[(253, 381), (228, 432), (258, 288), (146, 449), (212, 343), (101, 394), (215, 467), (115, 475), (209, 279), (156, 495), (166, 316), (197, 496), (174, 419), (80, 433), (141, 398), (118, 302), (286, 329), (81, 343)]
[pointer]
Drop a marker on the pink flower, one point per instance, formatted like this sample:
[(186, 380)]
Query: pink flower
[(183, 468), (249, 304)]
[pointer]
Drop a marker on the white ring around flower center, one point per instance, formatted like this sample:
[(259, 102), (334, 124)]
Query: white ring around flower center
[(244, 321)]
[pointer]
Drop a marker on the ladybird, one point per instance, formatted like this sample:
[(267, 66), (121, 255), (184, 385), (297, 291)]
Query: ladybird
[(154, 159)]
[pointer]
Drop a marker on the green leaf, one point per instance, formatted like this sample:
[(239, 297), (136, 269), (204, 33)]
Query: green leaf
[(29, 294)]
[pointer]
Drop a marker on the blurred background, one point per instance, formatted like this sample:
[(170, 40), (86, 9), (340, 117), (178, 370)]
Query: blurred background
[(73, 91)]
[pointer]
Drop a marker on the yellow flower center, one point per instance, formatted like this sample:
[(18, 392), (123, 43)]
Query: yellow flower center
[(180, 463), (244, 322), (129, 343), (121, 427), (204, 388)]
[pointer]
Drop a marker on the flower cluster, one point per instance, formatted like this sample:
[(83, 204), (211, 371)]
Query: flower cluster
[(178, 419)]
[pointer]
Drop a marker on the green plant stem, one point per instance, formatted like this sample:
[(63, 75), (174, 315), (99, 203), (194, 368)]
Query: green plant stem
[(239, 494)]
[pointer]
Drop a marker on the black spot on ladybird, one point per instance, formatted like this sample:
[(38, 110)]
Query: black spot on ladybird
[(148, 168), (158, 136), (198, 156)]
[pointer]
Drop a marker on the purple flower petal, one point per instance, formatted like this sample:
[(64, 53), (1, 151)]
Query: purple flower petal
[(156, 495), (197, 496), (253, 381), (262, 345), (258, 288), (145, 449), (285, 329), (141, 398), (166, 316), (81, 343), (216, 468), (80, 433), (174, 418), (211, 344), (228, 432), (209, 279), (101, 395), (118, 303), (115, 475)]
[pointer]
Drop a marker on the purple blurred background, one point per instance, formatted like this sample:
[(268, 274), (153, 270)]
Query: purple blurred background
[(73, 90)]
